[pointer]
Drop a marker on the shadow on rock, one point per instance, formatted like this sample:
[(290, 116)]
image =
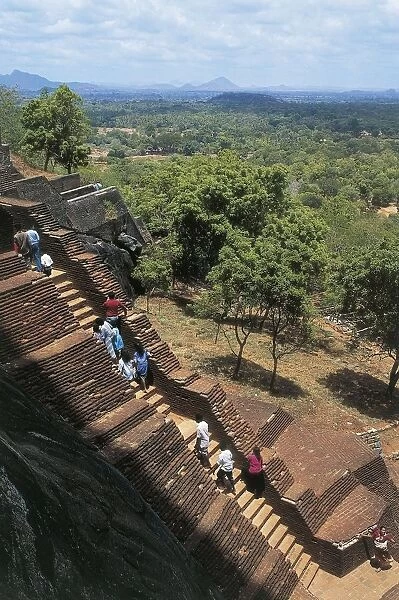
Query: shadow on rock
[(253, 374)]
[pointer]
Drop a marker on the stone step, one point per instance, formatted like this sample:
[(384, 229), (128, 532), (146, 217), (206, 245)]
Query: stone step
[(188, 430), (244, 499), (294, 554), (142, 394), (236, 475), (277, 535), (253, 507), (65, 285), (302, 563), (261, 517), (87, 322), (286, 543), (163, 408), (155, 399), (309, 574), (76, 303), (83, 313), (240, 489), (58, 276), (69, 293), (270, 525), (177, 420), (215, 456)]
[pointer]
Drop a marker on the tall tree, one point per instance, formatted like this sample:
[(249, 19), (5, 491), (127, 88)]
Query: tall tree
[(11, 130), (57, 127), (237, 292), (155, 267), (368, 293), (266, 284)]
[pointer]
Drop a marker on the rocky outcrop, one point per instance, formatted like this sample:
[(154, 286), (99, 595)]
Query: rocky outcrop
[(120, 262), (71, 526), (99, 216)]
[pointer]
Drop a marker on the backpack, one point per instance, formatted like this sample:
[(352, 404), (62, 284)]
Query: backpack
[(117, 339), (141, 363)]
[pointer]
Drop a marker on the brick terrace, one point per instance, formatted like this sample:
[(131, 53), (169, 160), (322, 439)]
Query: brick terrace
[(317, 490)]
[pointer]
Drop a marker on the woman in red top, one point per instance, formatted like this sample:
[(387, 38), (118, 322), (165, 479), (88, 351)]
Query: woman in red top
[(254, 478)]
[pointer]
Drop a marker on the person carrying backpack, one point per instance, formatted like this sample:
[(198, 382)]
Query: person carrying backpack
[(140, 358)]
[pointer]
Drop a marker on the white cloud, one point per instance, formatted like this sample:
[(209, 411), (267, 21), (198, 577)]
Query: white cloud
[(259, 41)]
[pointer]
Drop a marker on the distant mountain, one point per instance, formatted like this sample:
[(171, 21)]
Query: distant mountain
[(26, 81), (220, 84), (33, 83)]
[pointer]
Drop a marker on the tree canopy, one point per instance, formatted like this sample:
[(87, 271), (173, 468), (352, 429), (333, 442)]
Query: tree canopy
[(57, 127), (368, 294), (201, 199), (10, 111), (266, 283)]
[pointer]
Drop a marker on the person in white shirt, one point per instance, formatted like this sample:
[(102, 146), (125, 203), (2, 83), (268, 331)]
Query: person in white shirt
[(47, 264), (225, 472), (104, 332), (202, 441), (126, 366)]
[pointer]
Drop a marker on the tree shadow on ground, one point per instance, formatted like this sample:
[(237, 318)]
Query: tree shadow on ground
[(362, 391), (252, 373), (326, 342)]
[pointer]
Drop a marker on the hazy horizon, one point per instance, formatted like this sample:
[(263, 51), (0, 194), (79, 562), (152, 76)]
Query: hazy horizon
[(324, 43)]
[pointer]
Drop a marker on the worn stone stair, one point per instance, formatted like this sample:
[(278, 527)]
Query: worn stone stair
[(76, 302), (113, 424), (256, 510)]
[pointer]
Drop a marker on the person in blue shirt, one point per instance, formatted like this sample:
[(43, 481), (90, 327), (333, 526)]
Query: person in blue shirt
[(34, 245), (140, 358)]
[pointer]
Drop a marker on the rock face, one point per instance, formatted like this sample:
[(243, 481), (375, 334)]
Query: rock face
[(71, 526), (119, 260)]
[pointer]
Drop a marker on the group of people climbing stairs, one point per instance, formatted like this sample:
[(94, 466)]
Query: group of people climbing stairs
[(257, 510)]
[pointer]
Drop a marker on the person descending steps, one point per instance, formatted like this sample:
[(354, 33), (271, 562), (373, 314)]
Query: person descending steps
[(105, 333), (126, 366)]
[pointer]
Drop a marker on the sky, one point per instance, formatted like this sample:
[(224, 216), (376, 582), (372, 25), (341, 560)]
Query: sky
[(326, 43)]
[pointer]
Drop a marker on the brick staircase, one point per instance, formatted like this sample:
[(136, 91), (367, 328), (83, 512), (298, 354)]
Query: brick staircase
[(119, 421), (257, 510), (78, 305)]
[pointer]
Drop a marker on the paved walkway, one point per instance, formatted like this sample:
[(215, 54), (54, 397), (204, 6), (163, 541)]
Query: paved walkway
[(364, 583)]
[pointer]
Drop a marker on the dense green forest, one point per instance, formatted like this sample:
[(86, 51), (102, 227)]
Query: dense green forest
[(272, 206), (329, 148)]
